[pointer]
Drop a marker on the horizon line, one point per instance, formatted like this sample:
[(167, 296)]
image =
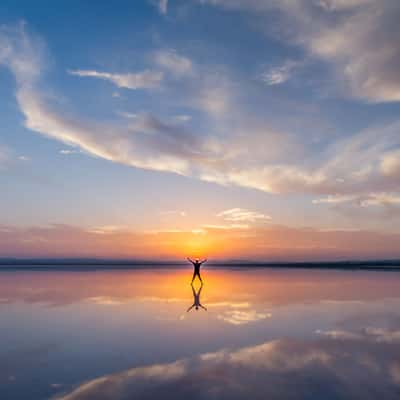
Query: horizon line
[(46, 261)]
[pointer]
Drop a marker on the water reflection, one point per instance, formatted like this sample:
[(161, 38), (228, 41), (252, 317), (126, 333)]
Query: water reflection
[(196, 298), (273, 287), (346, 366), (267, 334)]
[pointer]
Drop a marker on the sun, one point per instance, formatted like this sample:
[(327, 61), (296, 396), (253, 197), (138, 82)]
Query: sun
[(198, 244)]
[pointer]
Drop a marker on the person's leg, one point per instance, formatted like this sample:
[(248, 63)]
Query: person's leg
[(198, 274), (194, 276)]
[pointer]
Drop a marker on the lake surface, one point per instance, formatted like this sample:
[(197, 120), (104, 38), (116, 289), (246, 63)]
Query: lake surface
[(266, 334)]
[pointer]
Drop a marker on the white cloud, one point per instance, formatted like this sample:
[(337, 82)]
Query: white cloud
[(164, 147), (358, 37), (390, 165), (182, 118), (163, 6), (127, 114), (380, 205), (230, 227), (214, 98), (370, 333), (173, 62), (68, 151), (340, 5), (104, 301), (367, 200), (242, 215), (141, 80), (245, 155), (278, 75), (340, 335), (334, 199), (243, 317), (376, 199)]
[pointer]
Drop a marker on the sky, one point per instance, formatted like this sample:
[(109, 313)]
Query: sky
[(233, 129)]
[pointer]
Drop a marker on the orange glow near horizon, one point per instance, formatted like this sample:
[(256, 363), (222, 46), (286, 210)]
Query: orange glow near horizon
[(197, 245), (270, 243), (273, 287)]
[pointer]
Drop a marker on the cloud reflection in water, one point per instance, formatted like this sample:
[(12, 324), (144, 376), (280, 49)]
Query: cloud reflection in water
[(333, 366)]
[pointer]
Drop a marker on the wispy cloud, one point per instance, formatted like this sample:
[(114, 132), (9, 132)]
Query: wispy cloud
[(163, 6), (68, 151), (342, 5), (141, 80), (173, 62), (390, 165), (242, 215), (358, 37), (334, 199), (372, 199), (243, 317), (225, 227), (243, 154), (371, 205), (182, 118), (214, 97), (127, 145), (279, 75), (127, 114), (370, 333)]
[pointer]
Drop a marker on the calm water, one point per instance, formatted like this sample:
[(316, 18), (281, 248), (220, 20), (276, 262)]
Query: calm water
[(266, 334)]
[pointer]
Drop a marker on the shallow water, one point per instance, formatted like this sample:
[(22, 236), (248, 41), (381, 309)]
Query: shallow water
[(276, 334)]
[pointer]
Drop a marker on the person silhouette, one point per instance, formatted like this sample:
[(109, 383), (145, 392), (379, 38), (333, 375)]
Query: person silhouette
[(196, 265), (196, 299)]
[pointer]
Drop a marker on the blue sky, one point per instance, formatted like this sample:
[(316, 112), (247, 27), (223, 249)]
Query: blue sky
[(160, 115)]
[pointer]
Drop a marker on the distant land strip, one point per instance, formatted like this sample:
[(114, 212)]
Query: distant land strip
[(92, 264)]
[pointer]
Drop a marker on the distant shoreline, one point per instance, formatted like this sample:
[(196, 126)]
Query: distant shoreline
[(96, 264)]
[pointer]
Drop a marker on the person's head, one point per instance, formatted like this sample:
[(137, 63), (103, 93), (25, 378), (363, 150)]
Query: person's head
[(197, 259)]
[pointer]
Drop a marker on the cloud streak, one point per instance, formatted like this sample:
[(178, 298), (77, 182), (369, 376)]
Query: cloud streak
[(278, 75), (142, 80), (243, 317), (242, 215), (359, 37), (355, 165), (163, 6), (173, 62)]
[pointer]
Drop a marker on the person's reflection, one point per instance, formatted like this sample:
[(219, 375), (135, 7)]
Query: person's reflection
[(196, 298)]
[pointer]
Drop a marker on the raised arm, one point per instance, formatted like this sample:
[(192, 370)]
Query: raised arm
[(205, 260), (190, 260), (190, 308)]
